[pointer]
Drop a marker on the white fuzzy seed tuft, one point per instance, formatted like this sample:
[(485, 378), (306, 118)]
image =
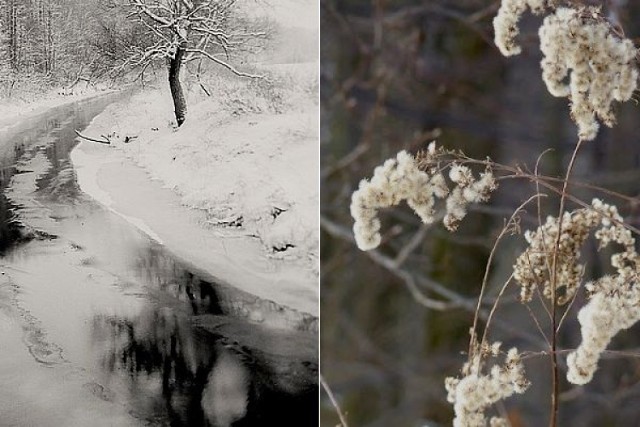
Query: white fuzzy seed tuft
[(475, 392), (505, 24), (615, 299), (402, 179), (581, 45)]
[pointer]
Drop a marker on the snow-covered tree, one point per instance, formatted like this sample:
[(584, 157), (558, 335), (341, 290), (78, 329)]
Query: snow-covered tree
[(188, 30)]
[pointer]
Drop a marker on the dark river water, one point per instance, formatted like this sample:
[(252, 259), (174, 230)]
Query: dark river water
[(101, 326)]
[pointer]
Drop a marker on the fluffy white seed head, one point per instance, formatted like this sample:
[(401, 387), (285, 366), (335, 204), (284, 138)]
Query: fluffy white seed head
[(585, 60), (473, 393), (614, 304), (461, 175), (531, 270), (505, 24), (401, 178)]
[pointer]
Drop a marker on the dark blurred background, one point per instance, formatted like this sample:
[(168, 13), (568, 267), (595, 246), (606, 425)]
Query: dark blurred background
[(398, 74)]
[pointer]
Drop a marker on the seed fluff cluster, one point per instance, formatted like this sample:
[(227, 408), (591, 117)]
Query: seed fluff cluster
[(585, 58), (403, 178), (533, 267), (475, 392), (601, 65), (505, 23), (614, 304)]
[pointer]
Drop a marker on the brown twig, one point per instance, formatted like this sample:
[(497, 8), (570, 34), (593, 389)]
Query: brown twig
[(554, 279), (485, 279), (101, 141)]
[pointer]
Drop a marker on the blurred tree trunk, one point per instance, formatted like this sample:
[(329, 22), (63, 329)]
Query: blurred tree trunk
[(179, 101), (14, 47), (49, 47)]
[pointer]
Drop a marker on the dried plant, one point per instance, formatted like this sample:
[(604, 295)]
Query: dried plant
[(588, 60), (581, 45), (418, 181)]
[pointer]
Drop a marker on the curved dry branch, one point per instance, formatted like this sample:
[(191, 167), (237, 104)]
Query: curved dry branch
[(101, 141)]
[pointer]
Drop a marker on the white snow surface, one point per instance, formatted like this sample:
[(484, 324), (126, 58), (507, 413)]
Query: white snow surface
[(245, 165), (243, 169), (228, 255)]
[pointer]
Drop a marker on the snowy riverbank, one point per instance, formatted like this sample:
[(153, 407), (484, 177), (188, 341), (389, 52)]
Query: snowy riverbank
[(250, 161), (243, 168), (233, 191)]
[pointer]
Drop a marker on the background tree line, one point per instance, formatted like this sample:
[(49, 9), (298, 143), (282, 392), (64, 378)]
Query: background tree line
[(59, 43)]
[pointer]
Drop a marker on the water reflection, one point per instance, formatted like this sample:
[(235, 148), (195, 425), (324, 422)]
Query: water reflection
[(215, 361), (155, 266), (225, 396), (205, 377), (11, 233), (54, 131)]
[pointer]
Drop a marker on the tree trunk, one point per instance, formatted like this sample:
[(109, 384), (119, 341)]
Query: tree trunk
[(179, 101), (13, 35)]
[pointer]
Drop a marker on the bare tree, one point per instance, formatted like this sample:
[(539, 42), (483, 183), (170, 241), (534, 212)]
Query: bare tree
[(188, 30)]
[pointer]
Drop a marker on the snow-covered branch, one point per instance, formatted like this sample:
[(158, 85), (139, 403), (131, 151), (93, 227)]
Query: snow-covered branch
[(204, 53), (207, 28), (143, 7)]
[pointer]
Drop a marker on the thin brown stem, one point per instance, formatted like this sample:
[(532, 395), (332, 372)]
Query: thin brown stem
[(537, 323), (567, 310), (554, 303), (485, 279), (609, 354), (495, 307), (518, 172)]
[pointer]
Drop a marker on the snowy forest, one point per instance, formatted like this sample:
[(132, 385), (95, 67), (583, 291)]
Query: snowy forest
[(57, 43), (63, 43)]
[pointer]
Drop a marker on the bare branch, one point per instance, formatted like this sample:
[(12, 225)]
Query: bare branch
[(146, 9), (224, 64), (101, 141)]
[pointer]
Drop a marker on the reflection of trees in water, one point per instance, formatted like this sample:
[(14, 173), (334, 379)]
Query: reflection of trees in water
[(162, 271), (203, 378), (57, 134), (59, 183), (159, 342), (10, 231), (155, 267)]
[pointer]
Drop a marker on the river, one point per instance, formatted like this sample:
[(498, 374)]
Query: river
[(102, 326)]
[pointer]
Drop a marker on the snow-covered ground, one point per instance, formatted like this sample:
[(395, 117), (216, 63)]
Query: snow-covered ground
[(246, 160), (250, 163)]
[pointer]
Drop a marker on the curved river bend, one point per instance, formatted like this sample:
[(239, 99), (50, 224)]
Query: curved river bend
[(101, 326)]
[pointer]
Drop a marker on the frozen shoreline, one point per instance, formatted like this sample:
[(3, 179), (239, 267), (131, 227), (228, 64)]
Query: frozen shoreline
[(108, 176), (13, 114), (233, 191)]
